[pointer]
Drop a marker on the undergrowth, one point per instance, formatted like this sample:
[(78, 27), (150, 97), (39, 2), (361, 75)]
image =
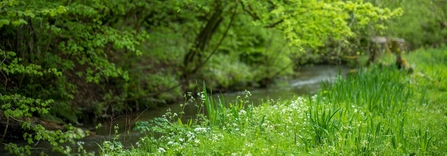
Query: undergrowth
[(379, 111)]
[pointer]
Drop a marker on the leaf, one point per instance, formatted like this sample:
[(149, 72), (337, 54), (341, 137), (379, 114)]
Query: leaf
[(61, 9), (4, 22), (53, 13), (29, 14), (19, 22), (11, 13)]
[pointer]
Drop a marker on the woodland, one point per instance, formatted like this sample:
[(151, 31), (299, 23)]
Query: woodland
[(64, 63)]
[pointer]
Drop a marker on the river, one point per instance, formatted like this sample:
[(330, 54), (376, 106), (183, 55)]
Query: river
[(308, 82)]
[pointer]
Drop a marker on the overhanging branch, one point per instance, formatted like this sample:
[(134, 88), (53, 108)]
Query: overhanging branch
[(274, 24)]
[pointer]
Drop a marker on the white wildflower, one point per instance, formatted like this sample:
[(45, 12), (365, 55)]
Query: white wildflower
[(201, 129), (80, 143), (242, 112), (161, 150)]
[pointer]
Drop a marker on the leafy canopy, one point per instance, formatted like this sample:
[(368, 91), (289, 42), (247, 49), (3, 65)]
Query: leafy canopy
[(309, 23)]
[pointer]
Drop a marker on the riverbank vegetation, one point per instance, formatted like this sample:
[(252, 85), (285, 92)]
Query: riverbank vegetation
[(376, 111), (69, 63)]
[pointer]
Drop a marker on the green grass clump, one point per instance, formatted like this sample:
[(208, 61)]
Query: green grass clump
[(379, 111)]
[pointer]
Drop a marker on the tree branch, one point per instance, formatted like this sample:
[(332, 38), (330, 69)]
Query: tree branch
[(220, 41), (253, 15), (256, 17), (274, 24)]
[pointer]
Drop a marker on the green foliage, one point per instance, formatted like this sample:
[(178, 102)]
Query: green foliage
[(294, 26), (422, 23), (429, 65), (113, 145), (323, 124), (218, 114), (312, 22), (224, 72), (58, 48), (376, 102), (19, 106), (53, 137), (84, 58), (377, 111)]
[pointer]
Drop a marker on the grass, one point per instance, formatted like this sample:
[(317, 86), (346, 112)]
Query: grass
[(379, 111)]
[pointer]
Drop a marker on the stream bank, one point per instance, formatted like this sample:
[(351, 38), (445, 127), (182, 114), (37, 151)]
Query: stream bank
[(308, 82)]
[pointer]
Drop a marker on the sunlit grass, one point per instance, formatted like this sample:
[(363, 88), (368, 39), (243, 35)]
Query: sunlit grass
[(379, 111)]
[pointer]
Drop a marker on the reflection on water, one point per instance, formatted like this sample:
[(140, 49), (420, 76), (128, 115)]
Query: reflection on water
[(308, 82)]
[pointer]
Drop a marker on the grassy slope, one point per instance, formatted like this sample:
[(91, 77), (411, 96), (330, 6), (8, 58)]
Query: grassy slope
[(374, 112)]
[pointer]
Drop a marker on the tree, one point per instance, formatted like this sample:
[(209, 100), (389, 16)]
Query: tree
[(75, 60), (45, 47), (304, 24)]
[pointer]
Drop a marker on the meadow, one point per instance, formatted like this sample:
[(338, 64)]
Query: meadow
[(375, 111)]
